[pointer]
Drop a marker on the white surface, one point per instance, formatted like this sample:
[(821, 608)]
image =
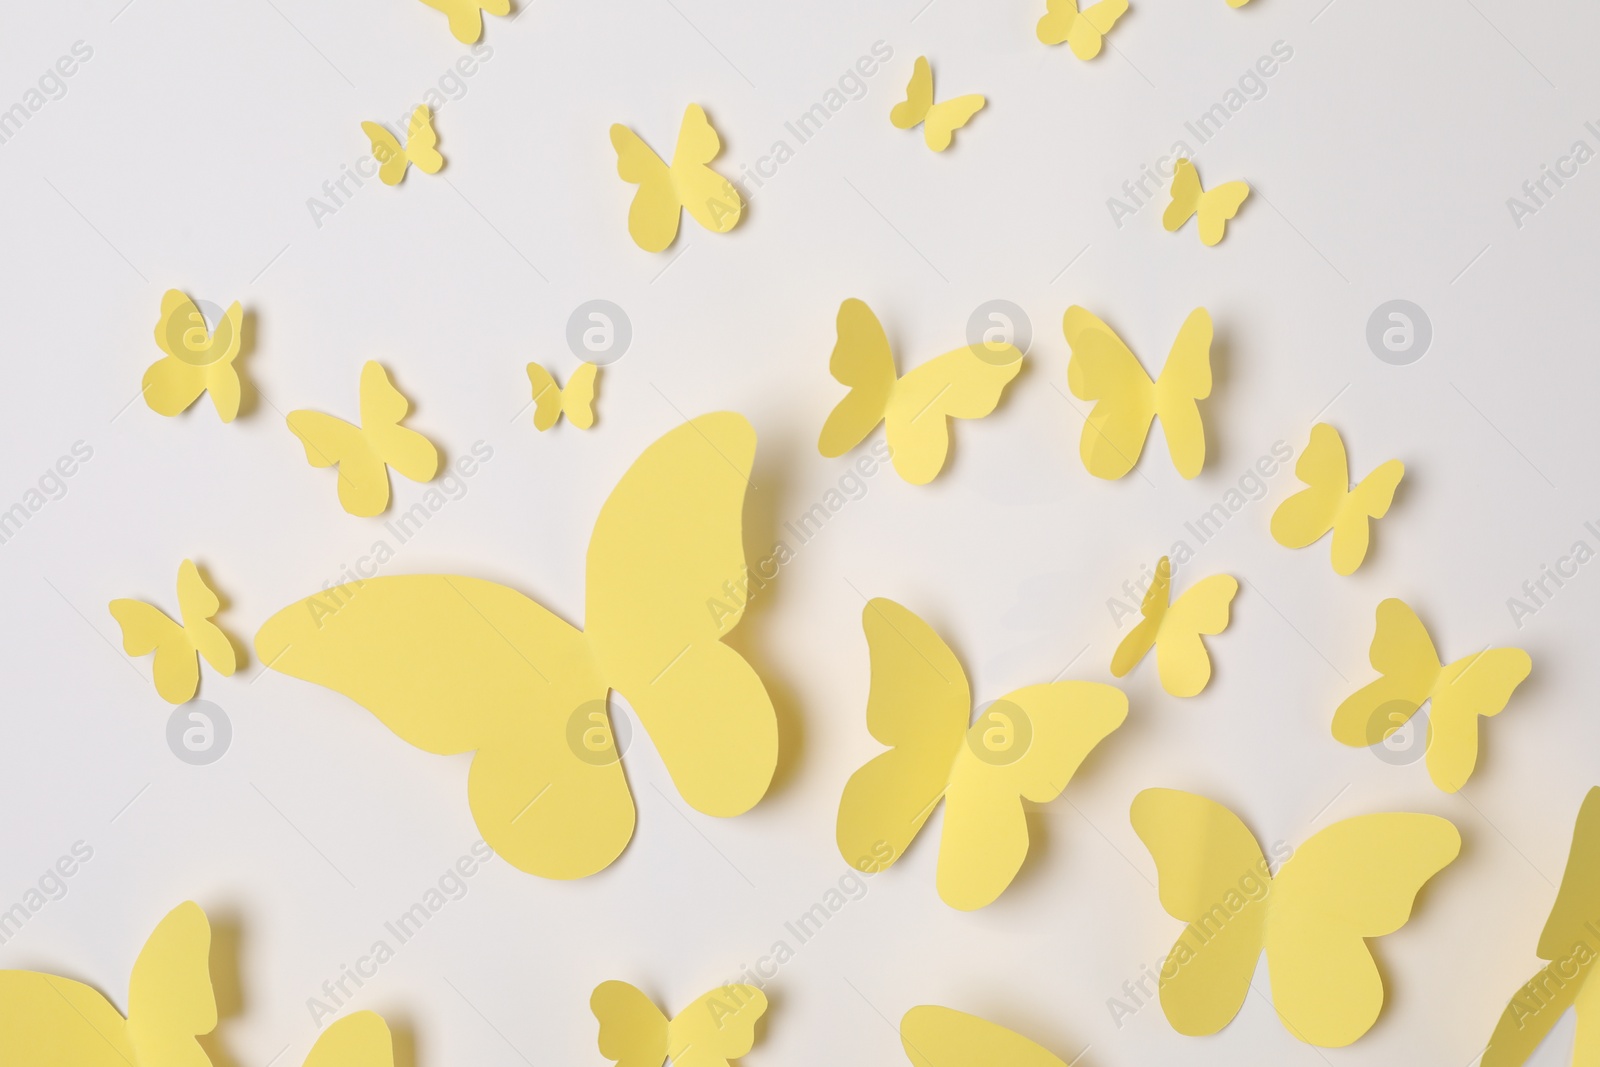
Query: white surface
[(183, 154)]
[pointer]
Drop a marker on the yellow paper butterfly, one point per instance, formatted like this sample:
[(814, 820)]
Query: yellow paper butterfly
[(943, 1037), (965, 383), (147, 629), (1084, 31), (1214, 206), (197, 360), (455, 664), (1237, 3), (1351, 881), (711, 1032), (421, 147), (1103, 369), (1571, 943), (360, 1039), (466, 16), (1173, 629), (1025, 746), (939, 121), (576, 401), (1456, 694), (1330, 503), (689, 184), (365, 453)]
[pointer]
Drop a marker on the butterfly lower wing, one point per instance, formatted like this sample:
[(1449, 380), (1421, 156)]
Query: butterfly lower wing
[(392, 160), (147, 629), (547, 398), (577, 399), (1404, 655), (1104, 370), (1217, 206), (946, 117), (360, 1039), (862, 362), (942, 1037), (1352, 524), (1470, 687), (170, 385), (708, 197), (919, 97), (1055, 25), (1305, 517), (957, 385), (1181, 656), (655, 212), (1185, 194), (329, 442), (197, 604), (170, 1000), (422, 142), (717, 1028), (633, 1031), (46, 1020), (1153, 611), (1184, 381)]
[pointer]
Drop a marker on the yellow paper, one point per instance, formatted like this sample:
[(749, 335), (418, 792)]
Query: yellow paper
[(360, 1039), (147, 629), (939, 121), (197, 359), (943, 1037), (689, 184), (576, 401), (713, 1031), (1214, 206), (1351, 881), (421, 147), (1025, 746), (365, 453), (1174, 630), (1084, 31), (1330, 503), (965, 383), (1457, 693), (466, 16), (1104, 370), (456, 664)]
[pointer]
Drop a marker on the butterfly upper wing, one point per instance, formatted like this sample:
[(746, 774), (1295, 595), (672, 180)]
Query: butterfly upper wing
[(170, 1001), (716, 1028), (392, 159), (1181, 655), (633, 1031), (654, 215), (863, 362), (382, 408), (1103, 369), (360, 1039), (1153, 611), (1470, 687), (1185, 380), (919, 97), (422, 142), (146, 629), (946, 117), (1217, 206), (1185, 194), (710, 199), (960, 384), (547, 399), (1403, 654), (1087, 33), (943, 1037), (1369, 500), (197, 604), (577, 399), (46, 1020), (1312, 512)]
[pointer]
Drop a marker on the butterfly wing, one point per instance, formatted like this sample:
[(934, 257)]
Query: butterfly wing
[(1087, 32), (1185, 380), (710, 199), (360, 1039), (943, 1037), (466, 22), (392, 160), (147, 629), (197, 604), (1312, 512), (653, 216), (1181, 656), (170, 1001), (946, 117), (546, 397), (633, 1031), (1369, 500), (1185, 194), (919, 97), (1522, 1028), (1403, 654), (577, 399), (422, 143), (46, 1020), (1578, 900), (863, 362), (171, 385), (1103, 370), (716, 1028), (1217, 206), (1055, 25), (961, 384), (1470, 687), (329, 442), (382, 408), (1153, 610)]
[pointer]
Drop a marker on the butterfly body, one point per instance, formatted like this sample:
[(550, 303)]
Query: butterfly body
[(421, 147), (178, 647), (939, 121), (466, 16), (365, 453), (197, 359), (1214, 206), (689, 184), (1330, 504), (1174, 629), (1083, 30), (551, 401), (716, 1029)]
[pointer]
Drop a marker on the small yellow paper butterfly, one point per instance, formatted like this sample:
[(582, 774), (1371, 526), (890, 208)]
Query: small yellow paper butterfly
[(147, 629), (576, 401), (1330, 503), (1214, 206), (365, 453), (1025, 746), (1084, 31), (1403, 653), (964, 383), (1237, 3), (713, 1031), (689, 184), (943, 1037), (421, 147), (1352, 881), (360, 1039), (466, 16), (1103, 369), (196, 360), (939, 121), (1173, 630)]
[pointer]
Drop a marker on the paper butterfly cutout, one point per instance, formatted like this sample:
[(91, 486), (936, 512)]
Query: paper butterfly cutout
[(1084, 31), (1456, 694), (1214, 206), (1351, 881), (197, 360), (466, 16), (711, 1032), (421, 147), (1568, 942), (1104, 370), (964, 383), (147, 629), (576, 401), (939, 121), (689, 184), (365, 453), (1173, 630), (1026, 745), (1330, 503), (1237, 3), (943, 1037), (460, 664)]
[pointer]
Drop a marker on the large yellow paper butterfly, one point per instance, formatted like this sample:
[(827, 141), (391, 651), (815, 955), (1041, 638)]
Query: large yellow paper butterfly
[(576, 401), (689, 184), (147, 629), (421, 147), (1330, 503), (1103, 369), (1571, 943), (1025, 746), (1214, 206), (1084, 31), (965, 383), (197, 359), (466, 16), (1173, 629), (1456, 694), (1351, 881), (455, 664), (714, 1030), (365, 453), (943, 1037), (939, 121)]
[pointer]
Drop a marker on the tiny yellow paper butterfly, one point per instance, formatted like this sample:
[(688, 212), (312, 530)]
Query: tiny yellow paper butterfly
[(466, 16), (1214, 206), (197, 359), (1173, 629), (939, 121), (421, 147), (1330, 503), (688, 185), (576, 401), (1084, 31), (716, 1029), (943, 1037), (147, 629), (365, 453)]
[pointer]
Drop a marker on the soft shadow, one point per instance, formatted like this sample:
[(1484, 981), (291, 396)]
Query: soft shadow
[(249, 395), (227, 938), (404, 1035), (241, 653)]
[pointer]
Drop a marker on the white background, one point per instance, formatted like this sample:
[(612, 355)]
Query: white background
[(183, 155)]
